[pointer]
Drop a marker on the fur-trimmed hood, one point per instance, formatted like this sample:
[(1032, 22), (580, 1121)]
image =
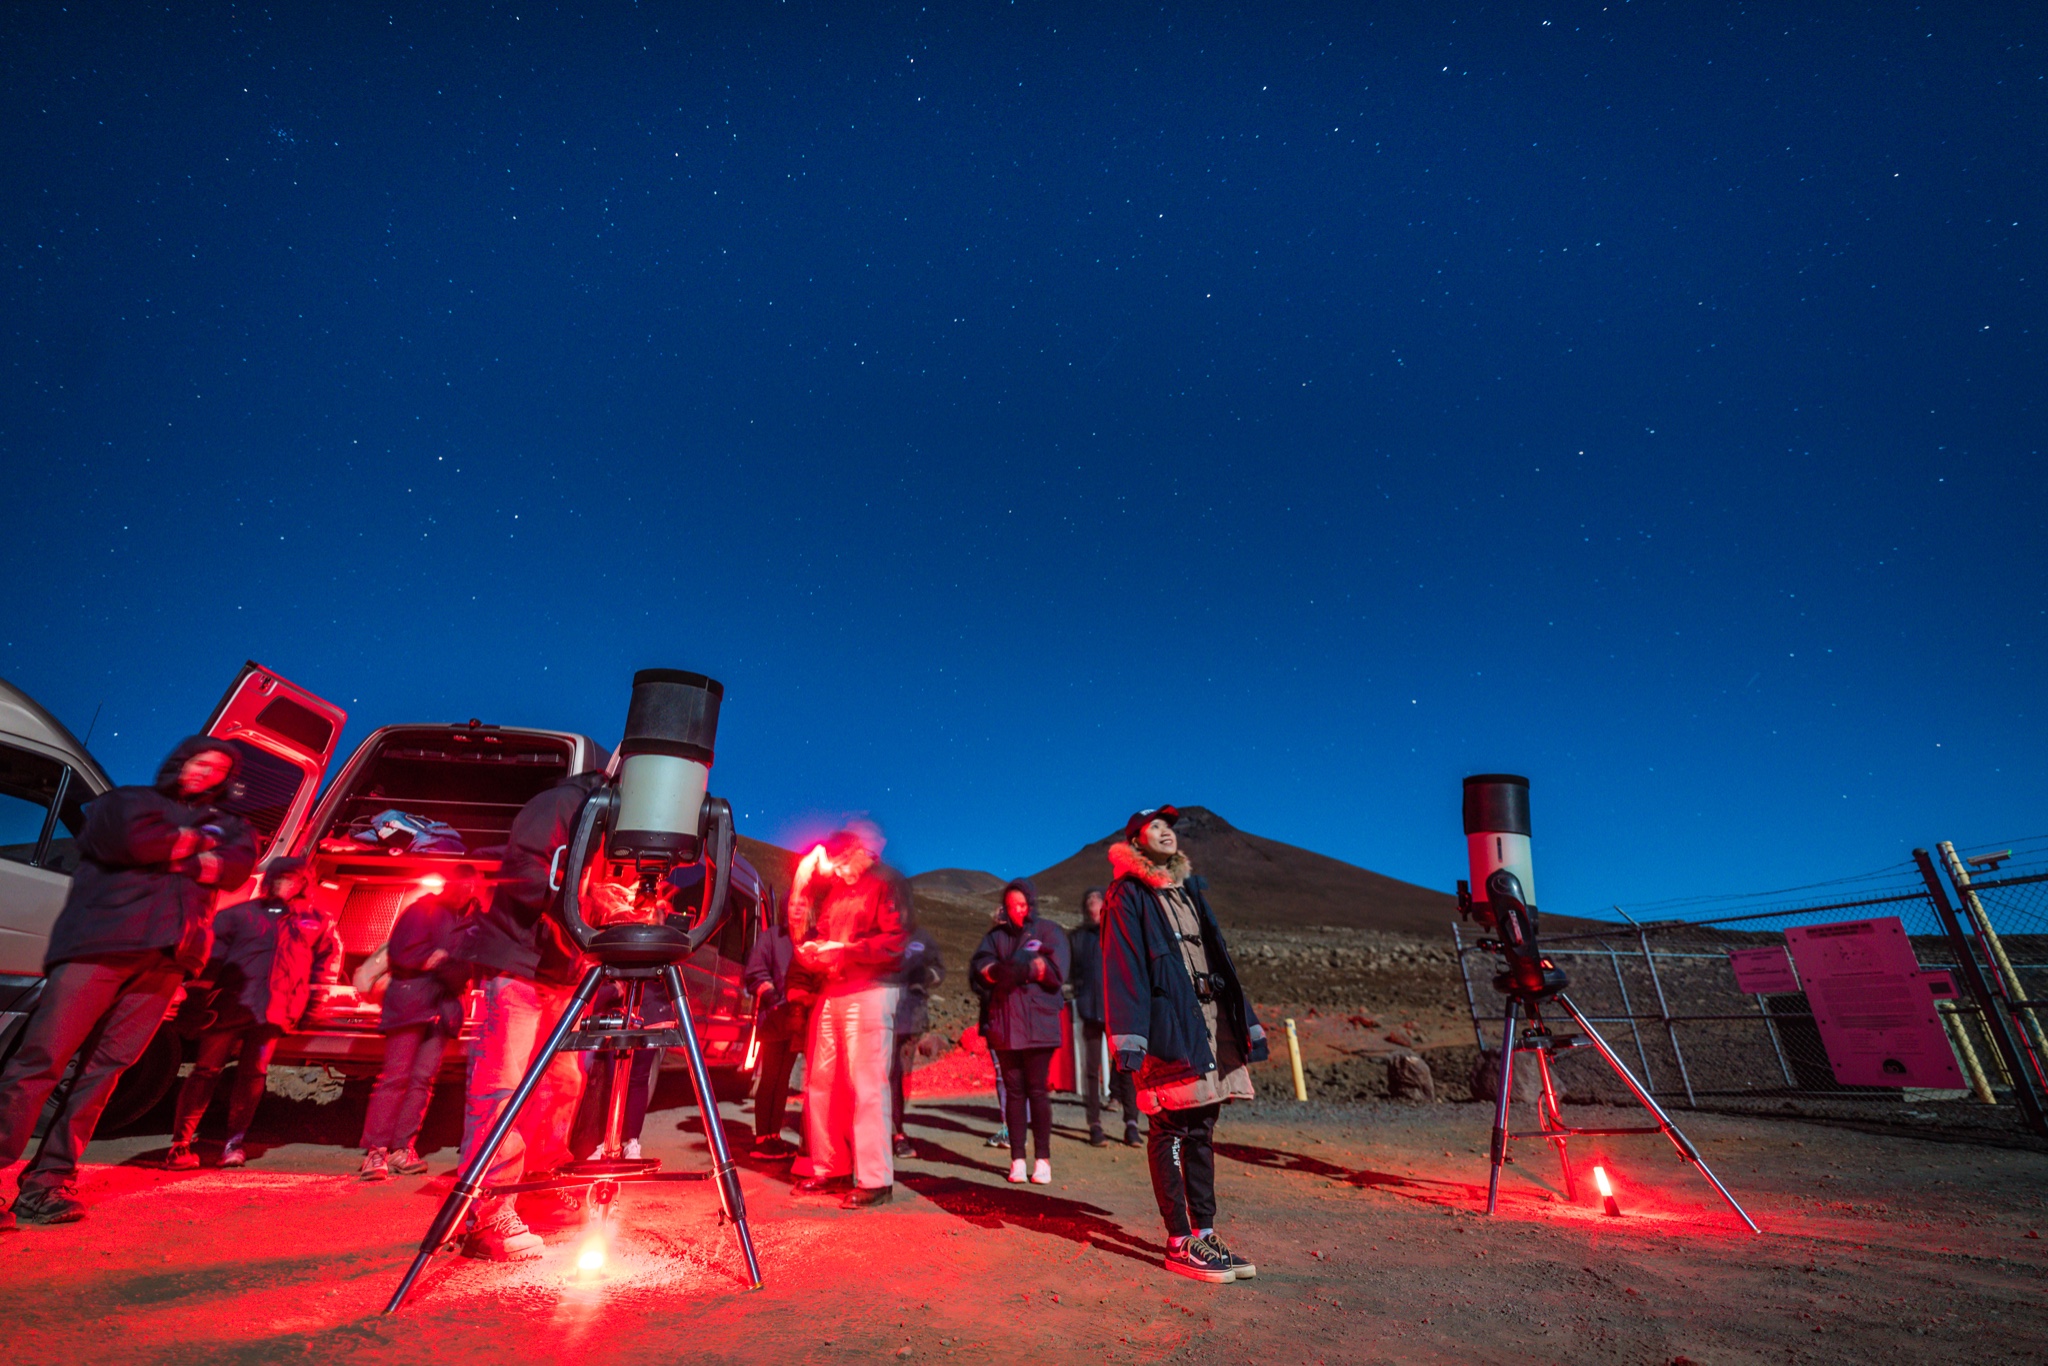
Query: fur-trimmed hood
[(1127, 860)]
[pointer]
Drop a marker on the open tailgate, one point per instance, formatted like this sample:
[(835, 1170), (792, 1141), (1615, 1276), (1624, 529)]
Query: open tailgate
[(286, 737)]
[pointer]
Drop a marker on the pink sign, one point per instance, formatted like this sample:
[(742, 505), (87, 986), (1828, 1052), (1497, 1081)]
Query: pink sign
[(1874, 1006), (1763, 972)]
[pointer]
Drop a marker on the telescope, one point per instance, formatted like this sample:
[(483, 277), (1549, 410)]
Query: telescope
[(653, 813), (1497, 853)]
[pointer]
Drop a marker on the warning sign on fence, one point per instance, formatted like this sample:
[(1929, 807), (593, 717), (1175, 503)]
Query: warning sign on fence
[(1763, 972), (1874, 1006)]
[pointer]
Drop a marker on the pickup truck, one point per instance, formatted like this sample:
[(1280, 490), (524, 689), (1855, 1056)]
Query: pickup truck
[(468, 776)]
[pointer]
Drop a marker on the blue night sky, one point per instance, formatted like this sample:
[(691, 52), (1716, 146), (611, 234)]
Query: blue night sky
[(1034, 412)]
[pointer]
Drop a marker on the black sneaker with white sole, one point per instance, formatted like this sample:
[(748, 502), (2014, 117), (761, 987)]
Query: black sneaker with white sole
[(1197, 1260), (1244, 1269)]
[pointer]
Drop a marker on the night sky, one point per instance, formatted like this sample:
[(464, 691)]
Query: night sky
[(1035, 412)]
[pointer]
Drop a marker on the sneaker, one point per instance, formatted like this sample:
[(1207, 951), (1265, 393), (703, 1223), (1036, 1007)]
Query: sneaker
[(1041, 1172), (181, 1158), (903, 1147), (233, 1156), (502, 1236), (1096, 1138), (376, 1166), (1131, 1139), (822, 1185), (7, 1223), (631, 1151), (860, 1197), (999, 1139), (48, 1207), (1244, 1269), (1195, 1259), (766, 1149), (405, 1162), (596, 1154), (1017, 1176)]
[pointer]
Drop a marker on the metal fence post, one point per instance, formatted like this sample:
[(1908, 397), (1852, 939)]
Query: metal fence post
[(1628, 1008), (1988, 935), (1471, 1005), (1995, 1022), (1664, 1011), (1771, 1028)]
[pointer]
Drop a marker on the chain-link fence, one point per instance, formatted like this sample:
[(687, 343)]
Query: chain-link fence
[(1661, 987)]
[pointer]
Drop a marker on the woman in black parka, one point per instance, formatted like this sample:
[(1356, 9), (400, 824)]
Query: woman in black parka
[(1023, 961)]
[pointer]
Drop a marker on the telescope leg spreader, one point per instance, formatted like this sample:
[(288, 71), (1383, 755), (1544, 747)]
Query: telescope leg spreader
[(729, 1196), (1671, 1131), (469, 1184)]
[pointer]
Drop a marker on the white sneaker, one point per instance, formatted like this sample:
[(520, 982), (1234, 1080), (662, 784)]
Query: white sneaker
[(1017, 1172), (597, 1153), (632, 1150), (1041, 1172)]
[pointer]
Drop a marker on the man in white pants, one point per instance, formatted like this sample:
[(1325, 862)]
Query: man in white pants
[(850, 918)]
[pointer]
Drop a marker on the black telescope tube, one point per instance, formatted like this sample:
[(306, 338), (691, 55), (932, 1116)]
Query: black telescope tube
[(1497, 804), (673, 712)]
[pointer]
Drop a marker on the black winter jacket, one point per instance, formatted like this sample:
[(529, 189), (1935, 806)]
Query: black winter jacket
[(1149, 1003), (521, 932), (1022, 1013), (771, 960), (129, 893), (418, 994), (1084, 945), (267, 953)]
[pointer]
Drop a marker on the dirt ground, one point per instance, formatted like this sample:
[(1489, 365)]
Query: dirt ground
[(1364, 1219)]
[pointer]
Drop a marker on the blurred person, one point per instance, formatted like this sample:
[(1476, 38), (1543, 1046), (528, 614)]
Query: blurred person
[(1024, 960), (783, 996), (1084, 943), (922, 970), (982, 992), (267, 953), (521, 948), (1179, 1019), (850, 920), (137, 920), (595, 1111), (422, 1011)]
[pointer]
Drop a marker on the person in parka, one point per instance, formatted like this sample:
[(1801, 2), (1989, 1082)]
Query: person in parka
[(923, 968), (1178, 1018), (1024, 960), (267, 953), (422, 1011), (1085, 942), (521, 949), (783, 997), (137, 920)]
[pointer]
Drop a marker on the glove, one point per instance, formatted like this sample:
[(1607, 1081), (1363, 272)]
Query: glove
[(1129, 1060)]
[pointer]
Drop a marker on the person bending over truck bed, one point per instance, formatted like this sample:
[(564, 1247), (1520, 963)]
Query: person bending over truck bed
[(136, 921), (522, 950), (267, 953)]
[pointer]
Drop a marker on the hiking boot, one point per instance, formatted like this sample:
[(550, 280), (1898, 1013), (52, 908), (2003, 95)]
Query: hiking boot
[(233, 1156), (502, 1236), (999, 1139), (1017, 1176), (903, 1147), (1244, 1269), (48, 1207), (181, 1158), (1195, 1259), (1041, 1173), (376, 1166), (1096, 1138), (405, 1162), (860, 1197), (822, 1185)]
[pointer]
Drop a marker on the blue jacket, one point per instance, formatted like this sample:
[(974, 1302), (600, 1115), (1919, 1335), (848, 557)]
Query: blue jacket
[(1149, 1002), (419, 995), (1022, 1013), (267, 954)]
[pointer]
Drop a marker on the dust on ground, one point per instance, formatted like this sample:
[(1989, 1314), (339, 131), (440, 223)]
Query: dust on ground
[(1363, 1217)]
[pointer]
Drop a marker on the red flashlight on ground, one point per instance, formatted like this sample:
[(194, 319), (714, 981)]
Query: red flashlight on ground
[(1608, 1203)]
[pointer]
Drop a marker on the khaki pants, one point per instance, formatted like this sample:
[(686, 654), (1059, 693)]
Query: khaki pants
[(517, 1018), (846, 1084)]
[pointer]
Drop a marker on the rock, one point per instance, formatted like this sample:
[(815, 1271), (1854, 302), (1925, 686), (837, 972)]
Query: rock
[(1486, 1077), (1408, 1078)]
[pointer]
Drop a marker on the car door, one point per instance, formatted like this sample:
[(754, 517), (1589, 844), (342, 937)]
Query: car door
[(286, 737)]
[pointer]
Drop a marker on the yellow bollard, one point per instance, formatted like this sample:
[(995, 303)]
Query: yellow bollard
[(1294, 1052)]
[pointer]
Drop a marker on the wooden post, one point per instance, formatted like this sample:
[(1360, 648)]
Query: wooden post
[(1294, 1053)]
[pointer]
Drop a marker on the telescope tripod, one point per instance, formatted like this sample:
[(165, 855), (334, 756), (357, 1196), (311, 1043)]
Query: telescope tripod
[(1536, 1038), (602, 1176)]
